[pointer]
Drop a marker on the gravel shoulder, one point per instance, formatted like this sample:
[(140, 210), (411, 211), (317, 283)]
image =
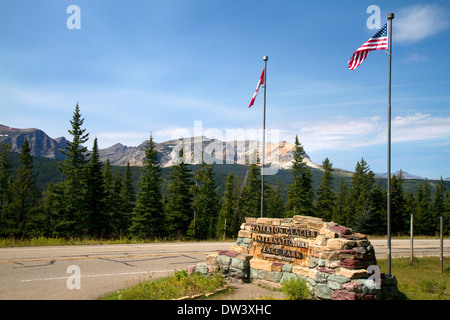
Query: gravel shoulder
[(251, 291)]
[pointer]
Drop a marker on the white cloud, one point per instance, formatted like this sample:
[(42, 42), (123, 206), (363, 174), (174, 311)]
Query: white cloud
[(419, 127), (346, 133), (414, 57), (418, 22)]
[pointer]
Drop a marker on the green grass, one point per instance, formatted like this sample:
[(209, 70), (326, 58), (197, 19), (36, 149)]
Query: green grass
[(44, 241), (296, 289), (179, 285), (423, 279)]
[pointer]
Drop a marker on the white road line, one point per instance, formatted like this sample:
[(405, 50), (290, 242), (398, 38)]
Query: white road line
[(99, 275)]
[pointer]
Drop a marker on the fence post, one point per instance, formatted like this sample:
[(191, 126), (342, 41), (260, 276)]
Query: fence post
[(442, 245), (412, 241)]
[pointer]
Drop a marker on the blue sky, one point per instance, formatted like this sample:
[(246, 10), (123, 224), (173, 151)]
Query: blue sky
[(141, 67)]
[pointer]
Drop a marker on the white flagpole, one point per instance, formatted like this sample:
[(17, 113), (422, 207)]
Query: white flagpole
[(390, 16), (265, 58)]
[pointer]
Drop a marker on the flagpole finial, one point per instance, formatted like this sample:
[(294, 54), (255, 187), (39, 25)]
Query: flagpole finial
[(265, 58), (390, 16)]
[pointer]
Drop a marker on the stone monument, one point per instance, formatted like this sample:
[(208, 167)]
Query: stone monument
[(335, 262)]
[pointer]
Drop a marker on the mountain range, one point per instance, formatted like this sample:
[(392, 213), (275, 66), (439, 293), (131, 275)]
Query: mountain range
[(234, 152), (221, 152)]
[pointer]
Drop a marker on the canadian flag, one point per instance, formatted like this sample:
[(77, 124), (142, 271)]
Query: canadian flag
[(260, 82)]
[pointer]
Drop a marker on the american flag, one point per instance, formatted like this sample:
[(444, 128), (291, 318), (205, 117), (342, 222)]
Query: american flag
[(379, 41)]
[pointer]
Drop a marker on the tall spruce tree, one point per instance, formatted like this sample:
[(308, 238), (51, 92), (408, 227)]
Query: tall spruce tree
[(71, 215), (341, 204), (399, 219), (362, 183), (300, 193), (148, 214), (325, 200), (446, 215), (179, 199), (424, 221), (224, 226), (250, 201), (205, 203), (5, 182), (128, 196), (97, 218), (273, 204), (25, 206)]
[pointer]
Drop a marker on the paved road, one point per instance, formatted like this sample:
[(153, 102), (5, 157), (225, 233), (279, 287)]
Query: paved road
[(46, 272), (42, 272)]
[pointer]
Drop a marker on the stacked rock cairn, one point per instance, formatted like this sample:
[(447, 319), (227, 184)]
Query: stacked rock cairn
[(335, 262)]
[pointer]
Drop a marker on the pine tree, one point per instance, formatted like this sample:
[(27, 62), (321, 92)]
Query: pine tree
[(273, 204), (423, 219), (325, 201), (438, 201), (97, 218), (250, 202), (71, 215), (179, 199), (224, 226), (5, 183), (341, 205), (204, 203), (148, 214), (399, 220), (374, 213), (300, 193), (22, 212), (128, 196), (447, 213), (362, 183)]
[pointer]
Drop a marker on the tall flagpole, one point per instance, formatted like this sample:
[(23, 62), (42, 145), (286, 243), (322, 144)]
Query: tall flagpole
[(265, 58), (390, 16)]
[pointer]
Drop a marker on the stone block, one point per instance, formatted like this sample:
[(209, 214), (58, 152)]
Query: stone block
[(244, 257), (352, 287), (250, 220), (340, 229), (312, 262), (286, 268), (326, 232), (202, 267), (339, 279), (325, 270), (223, 260), (343, 295), (303, 271), (211, 259), (322, 291), (287, 276), (329, 255), (239, 249), (277, 266), (244, 234), (339, 244), (334, 285), (261, 264), (353, 273), (333, 264), (237, 273), (353, 264), (239, 264)]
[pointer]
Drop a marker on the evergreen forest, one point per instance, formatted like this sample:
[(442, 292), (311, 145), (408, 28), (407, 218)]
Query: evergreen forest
[(85, 198)]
